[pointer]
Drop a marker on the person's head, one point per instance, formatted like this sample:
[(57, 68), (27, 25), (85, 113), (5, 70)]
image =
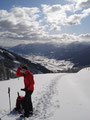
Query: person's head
[(24, 69)]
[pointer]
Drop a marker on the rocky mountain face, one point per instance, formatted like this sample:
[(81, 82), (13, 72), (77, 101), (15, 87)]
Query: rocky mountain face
[(9, 62)]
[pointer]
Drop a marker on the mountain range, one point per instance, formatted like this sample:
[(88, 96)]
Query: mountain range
[(45, 58), (77, 52)]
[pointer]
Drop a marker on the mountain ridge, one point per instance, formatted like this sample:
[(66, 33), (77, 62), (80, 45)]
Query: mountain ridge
[(9, 61)]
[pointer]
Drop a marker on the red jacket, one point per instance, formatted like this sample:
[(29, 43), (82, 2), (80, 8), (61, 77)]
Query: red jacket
[(28, 78)]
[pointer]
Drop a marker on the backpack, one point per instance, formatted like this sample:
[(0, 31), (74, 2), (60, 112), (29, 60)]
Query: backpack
[(19, 103)]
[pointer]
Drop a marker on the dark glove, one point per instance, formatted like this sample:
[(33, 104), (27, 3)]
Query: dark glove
[(24, 89)]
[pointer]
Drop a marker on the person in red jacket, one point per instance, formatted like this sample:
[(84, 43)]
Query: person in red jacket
[(29, 88)]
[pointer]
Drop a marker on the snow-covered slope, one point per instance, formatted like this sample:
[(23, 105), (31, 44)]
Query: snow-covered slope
[(51, 64), (9, 62), (60, 96)]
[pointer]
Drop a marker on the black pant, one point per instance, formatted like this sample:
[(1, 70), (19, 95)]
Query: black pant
[(27, 102)]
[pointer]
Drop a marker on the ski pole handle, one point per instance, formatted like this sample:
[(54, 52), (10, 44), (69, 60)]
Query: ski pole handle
[(9, 98), (18, 94), (8, 90)]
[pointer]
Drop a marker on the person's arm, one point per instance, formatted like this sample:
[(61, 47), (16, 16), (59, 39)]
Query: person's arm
[(18, 73)]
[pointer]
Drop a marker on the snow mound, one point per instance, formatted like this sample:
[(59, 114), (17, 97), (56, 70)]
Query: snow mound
[(84, 70)]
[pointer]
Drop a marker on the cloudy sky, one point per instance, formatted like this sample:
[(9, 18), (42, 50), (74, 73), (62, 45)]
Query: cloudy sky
[(43, 21)]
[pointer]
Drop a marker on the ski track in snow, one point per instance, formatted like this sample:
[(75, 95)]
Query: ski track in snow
[(45, 101)]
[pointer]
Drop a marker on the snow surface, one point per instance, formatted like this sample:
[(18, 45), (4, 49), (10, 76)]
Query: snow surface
[(60, 96)]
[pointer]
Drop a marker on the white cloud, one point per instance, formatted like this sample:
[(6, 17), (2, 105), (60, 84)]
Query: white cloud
[(55, 27), (79, 4), (75, 19), (65, 38), (86, 11), (21, 23), (45, 38), (85, 36), (56, 8), (56, 15)]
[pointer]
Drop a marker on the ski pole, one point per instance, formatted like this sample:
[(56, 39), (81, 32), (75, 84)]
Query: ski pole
[(9, 98), (18, 94)]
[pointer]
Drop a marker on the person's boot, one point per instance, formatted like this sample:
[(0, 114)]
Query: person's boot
[(25, 115), (30, 113)]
